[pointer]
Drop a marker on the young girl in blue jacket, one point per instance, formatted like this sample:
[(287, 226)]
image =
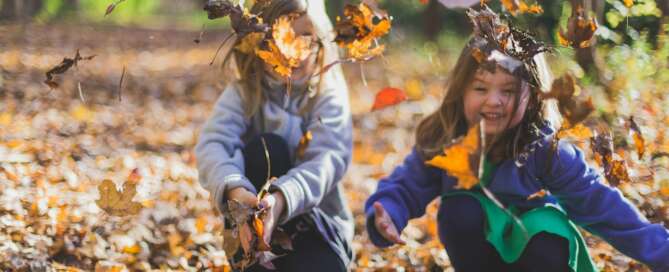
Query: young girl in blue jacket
[(490, 82), (254, 133)]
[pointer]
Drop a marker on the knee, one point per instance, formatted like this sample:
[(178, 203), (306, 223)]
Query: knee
[(546, 250), (461, 215)]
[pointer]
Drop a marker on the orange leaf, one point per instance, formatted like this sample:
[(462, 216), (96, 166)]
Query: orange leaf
[(357, 31), (259, 228), (628, 3), (578, 131), (461, 159), (388, 97), (304, 143), (540, 194), (639, 141)]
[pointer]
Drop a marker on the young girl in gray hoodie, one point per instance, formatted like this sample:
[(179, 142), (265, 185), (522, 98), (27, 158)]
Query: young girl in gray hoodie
[(260, 115)]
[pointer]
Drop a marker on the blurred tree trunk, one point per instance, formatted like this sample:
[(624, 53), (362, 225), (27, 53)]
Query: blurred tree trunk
[(19, 9), (431, 19), (663, 5)]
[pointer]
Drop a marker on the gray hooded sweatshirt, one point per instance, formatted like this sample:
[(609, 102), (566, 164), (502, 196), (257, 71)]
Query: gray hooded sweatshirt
[(314, 180)]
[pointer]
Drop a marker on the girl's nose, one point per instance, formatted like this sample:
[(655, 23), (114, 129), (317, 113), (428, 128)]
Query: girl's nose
[(494, 99)]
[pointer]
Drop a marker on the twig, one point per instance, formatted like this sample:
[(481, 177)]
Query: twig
[(120, 84), (221, 46), (81, 93)]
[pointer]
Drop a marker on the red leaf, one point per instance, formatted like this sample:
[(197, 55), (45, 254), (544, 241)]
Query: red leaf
[(388, 96)]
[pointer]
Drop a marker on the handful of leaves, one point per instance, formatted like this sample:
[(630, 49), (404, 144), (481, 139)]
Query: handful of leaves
[(247, 230)]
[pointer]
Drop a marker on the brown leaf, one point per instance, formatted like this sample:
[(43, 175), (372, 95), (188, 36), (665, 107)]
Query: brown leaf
[(565, 90), (115, 202), (639, 142), (61, 68), (580, 29)]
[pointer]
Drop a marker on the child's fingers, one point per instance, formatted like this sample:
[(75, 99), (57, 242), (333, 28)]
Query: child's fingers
[(379, 211), (267, 202)]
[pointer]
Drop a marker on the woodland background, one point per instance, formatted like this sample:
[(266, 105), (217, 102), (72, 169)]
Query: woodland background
[(57, 145)]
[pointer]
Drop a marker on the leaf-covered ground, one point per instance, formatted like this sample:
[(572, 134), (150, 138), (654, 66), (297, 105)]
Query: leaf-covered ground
[(57, 146)]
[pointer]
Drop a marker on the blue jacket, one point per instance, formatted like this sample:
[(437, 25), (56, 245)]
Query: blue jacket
[(576, 186)]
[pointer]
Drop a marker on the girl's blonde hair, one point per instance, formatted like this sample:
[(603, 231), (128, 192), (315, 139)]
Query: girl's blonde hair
[(448, 122), (248, 69)]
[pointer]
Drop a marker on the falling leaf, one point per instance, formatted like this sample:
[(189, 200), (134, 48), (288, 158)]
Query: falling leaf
[(639, 141), (357, 31), (578, 131), (461, 159), (565, 90), (61, 68), (414, 89), (580, 29), (303, 144), (617, 172), (112, 6), (388, 96), (628, 3), (115, 202), (516, 7)]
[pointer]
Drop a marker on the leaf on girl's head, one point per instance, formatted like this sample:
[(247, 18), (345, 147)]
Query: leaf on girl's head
[(461, 159), (250, 42), (286, 49), (639, 142), (304, 143), (115, 202), (61, 68), (388, 96), (219, 8), (357, 31), (580, 29)]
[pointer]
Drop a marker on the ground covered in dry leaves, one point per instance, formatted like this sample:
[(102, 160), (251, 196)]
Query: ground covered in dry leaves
[(57, 146)]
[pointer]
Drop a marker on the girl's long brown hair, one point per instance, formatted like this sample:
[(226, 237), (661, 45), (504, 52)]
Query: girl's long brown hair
[(248, 70), (448, 122)]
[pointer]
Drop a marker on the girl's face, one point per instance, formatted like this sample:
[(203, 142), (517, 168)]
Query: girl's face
[(491, 96), (303, 27)]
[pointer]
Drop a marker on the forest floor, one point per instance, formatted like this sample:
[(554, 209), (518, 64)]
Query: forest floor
[(57, 146)]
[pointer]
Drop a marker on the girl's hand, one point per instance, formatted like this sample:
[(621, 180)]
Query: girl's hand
[(384, 224), (274, 203), (242, 195)]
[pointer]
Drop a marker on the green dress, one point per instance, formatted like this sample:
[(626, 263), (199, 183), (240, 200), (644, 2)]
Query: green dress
[(509, 237)]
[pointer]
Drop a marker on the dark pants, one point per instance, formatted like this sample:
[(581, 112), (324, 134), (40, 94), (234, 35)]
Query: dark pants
[(311, 251), (464, 239)]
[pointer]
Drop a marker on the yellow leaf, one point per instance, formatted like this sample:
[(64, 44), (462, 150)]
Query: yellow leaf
[(250, 42), (457, 159), (540, 194), (81, 113), (304, 143), (578, 131), (414, 89), (5, 119), (628, 3)]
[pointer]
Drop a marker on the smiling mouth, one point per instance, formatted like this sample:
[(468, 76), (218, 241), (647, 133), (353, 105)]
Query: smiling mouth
[(492, 117)]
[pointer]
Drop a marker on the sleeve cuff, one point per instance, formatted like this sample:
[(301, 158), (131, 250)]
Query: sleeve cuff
[(292, 193)]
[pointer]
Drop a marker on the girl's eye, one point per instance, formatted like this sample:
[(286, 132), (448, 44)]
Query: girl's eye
[(480, 89), (509, 92)]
